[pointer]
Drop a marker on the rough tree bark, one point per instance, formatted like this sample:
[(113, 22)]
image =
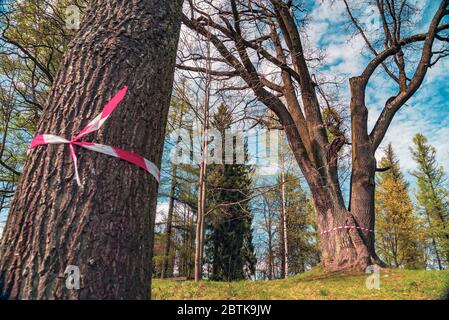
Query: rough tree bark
[(105, 226)]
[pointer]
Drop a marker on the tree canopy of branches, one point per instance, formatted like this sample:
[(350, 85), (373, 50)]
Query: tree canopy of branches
[(33, 38), (229, 241), (398, 230), (252, 36)]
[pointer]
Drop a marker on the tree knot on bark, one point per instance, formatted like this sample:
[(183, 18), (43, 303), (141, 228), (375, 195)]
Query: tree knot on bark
[(333, 148)]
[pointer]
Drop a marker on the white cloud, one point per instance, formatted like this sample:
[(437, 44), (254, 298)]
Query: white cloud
[(425, 113), (410, 121), (162, 210), (328, 28)]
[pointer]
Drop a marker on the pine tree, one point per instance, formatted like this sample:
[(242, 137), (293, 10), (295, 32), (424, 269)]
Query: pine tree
[(229, 245), (398, 230), (432, 197)]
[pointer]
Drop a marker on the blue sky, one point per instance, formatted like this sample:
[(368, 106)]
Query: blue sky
[(346, 56), (427, 112)]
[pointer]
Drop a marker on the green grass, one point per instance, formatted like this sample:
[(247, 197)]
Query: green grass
[(314, 285)]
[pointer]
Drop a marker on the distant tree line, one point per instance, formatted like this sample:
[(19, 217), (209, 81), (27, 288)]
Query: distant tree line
[(247, 237)]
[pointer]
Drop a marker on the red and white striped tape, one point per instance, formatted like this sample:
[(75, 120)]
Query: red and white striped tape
[(346, 227), (94, 125)]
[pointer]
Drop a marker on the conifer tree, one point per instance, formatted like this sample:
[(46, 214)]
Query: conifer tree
[(399, 232), (229, 245), (432, 198)]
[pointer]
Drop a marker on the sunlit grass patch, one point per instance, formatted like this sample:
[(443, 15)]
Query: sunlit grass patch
[(314, 285)]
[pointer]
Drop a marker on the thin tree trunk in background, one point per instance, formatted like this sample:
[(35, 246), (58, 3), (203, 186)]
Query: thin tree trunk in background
[(191, 270), (282, 238), (283, 220), (167, 270), (182, 256), (270, 252), (270, 261), (200, 229), (105, 226), (284, 227), (188, 248), (268, 227)]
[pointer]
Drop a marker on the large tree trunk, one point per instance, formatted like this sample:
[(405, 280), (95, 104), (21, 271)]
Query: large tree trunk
[(342, 247), (105, 226), (347, 236)]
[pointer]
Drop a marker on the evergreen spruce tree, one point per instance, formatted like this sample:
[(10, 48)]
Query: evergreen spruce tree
[(398, 230), (229, 247), (432, 198)]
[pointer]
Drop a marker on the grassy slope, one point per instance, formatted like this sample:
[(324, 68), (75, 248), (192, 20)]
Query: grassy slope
[(394, 284)]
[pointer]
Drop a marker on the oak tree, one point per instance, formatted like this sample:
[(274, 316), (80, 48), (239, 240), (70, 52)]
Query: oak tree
[(103, 226), (255, 38)]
